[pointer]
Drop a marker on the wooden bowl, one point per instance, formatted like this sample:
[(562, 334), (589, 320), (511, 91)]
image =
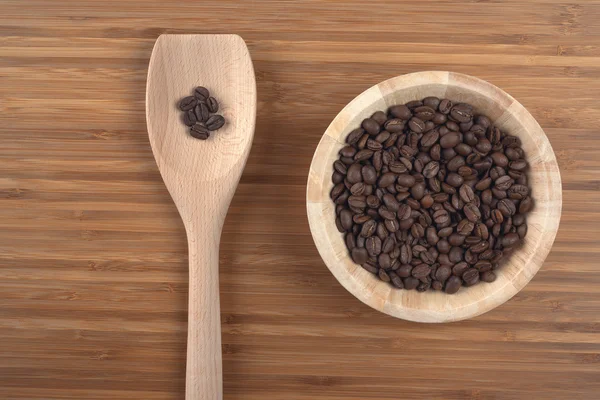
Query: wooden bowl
[(544, 179)]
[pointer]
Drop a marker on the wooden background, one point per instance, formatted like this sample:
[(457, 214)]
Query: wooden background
[(93, 264)]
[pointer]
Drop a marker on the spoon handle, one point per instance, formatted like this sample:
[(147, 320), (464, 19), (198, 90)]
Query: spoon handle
[(204, 371)]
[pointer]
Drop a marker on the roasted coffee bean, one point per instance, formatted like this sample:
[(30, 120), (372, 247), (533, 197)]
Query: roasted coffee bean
[(215, 122), (431, 169), (337, 177), (187, 103), (401, 111), (453, 285), (374, 145), (388, 139), (445, 106), (450, 140), (518, 165), (466, 194), (371, 126), (359, 255), (199, 131), (472, 212), (394, 125), (213, 104), (456, 254), (522, 231), (462, 112), (358, 189), (368, 229), (373, 246), (525, 205), (202, 113), (189, 118), (201, 93), (387, 179), (470, 277), (354, 136), (454, 180), (518, 192), (479, 247), (421, 271), (488, 276), (507, 207), (416, 125), (354, 173), (404, 212), (483, 266), (392, 225), (510, 239)]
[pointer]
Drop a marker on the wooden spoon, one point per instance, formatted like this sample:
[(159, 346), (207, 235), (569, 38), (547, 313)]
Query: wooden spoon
[(201, 175)]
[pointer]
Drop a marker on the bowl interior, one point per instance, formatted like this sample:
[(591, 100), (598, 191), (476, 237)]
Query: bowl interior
[(544, 180)]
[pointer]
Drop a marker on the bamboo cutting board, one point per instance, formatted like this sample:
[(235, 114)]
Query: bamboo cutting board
[(93, 255)]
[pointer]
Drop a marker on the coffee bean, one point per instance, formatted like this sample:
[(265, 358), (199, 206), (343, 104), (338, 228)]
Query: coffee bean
[(416, 125), (187, 103), (199, 131), (456, 254), (518, 192), (354, 173), (432, 102), (189, 118), (472, 212), (421, 271), (373, 201), (215, 122), (394, 125), (488, 276), (360, 218), (406, 180), (525, 205), (213, 104), (202, 113), (201, 93), (507, 207), (445, 106), (466, 194), (510, 239), (470, 277), (392, 225), (358, 189), (360, 255), (371, 126), (387, 179), (354, 136), (453, 285), (368, 229), (518, 165), (431, 169), (483, 266), (373, 245), (462, 112)]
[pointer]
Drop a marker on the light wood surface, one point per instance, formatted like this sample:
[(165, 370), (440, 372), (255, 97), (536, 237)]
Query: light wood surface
[(544, 179), (93, 253), (201, 175)]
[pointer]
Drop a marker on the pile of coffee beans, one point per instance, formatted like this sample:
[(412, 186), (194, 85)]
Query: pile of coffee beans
[(430, 195), (199, 113)]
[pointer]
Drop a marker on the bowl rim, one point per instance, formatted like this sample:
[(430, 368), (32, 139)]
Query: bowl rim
[(388, 300)]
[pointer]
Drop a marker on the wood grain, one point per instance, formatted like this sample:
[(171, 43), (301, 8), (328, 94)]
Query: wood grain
[(93, 254), (507, 114), (201, 175)]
